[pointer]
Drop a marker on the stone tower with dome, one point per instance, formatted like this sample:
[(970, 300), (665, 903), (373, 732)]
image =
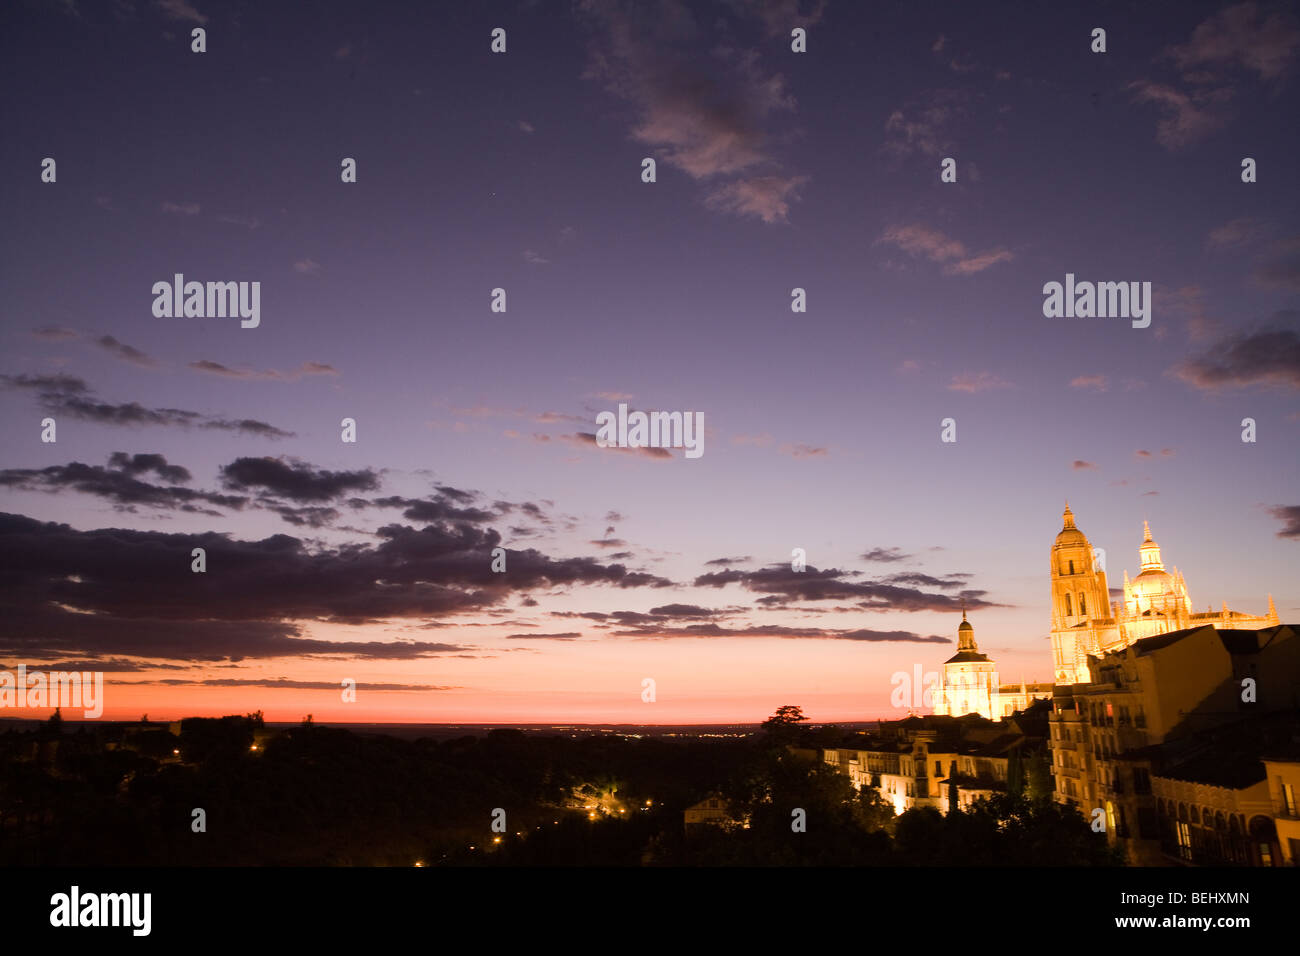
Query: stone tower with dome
[(970, 679), (970, 684)]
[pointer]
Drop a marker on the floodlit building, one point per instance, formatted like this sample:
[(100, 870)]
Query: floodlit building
[(1085, 621), (1282, 766), (970, 684), (910, 763), (1171, 728)]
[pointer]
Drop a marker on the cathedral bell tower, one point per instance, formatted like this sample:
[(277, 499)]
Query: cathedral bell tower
[(1080, 602)]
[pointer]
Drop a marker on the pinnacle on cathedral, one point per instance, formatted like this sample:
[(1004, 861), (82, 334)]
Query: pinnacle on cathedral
[(966, 635)]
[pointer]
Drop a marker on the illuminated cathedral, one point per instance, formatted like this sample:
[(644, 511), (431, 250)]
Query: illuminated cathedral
[(1086, 621)]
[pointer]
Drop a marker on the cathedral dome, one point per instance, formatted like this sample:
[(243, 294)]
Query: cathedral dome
[(1070, 536), (1154, 583)]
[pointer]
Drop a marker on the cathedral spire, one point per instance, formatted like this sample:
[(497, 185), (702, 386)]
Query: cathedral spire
[(1149, 550), (1068, 517)]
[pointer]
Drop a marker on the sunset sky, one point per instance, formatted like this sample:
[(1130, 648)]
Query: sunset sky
[(371, 561)]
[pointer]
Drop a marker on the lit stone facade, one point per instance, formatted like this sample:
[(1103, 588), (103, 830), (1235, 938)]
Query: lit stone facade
[(970, 683), (1283, 770), (1085, 621), (1164, 733), (910, 763)]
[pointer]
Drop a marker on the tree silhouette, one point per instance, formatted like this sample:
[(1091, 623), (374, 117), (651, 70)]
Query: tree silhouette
[(782, 728)]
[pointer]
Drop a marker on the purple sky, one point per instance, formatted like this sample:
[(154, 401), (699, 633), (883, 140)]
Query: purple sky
[(776, 170)]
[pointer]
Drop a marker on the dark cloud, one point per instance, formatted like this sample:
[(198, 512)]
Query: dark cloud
[(928, 581), (724, 562), (109, 665), (296, 481), (125, 352), (119, 484), (270, 374), (562, 636), (885, 555), (69, 396), (53, 384), (430, 510), (776, 630), (140, 464), (249, 426), (121, 592), (456, 494), (780, 583), (309, 516), (1268, 358), (683, 611), (1289, 515)]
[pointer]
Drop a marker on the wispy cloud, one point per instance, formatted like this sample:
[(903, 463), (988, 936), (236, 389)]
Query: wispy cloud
[(270, 374), (702, 108), (981, 382), (181, 10), (1096, 382), (920, 240)]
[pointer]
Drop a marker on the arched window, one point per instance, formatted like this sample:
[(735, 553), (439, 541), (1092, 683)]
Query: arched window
[(1071, 567)]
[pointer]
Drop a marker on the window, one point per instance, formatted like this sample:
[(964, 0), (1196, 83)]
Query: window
[(1071, 567), (1184, 841), (1141, 780), (1288, 800), (1083, 603), (1069, 607), (938, 768)]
